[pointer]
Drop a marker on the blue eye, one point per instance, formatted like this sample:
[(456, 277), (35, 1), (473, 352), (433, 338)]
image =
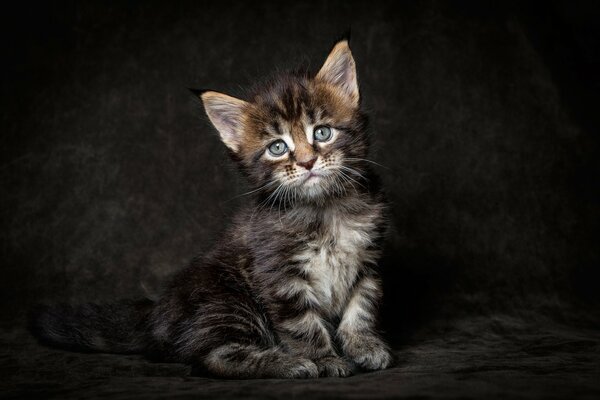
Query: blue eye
[(278, 148), (322, 133)]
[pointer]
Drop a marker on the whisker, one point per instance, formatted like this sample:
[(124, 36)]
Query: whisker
[(265, 202), (277, 193), (350, 178), (346, 178), (336, 186), (270, 183), (353, 171), (369, 161)]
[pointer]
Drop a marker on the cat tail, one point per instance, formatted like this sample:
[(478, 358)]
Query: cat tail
[(110, 328)]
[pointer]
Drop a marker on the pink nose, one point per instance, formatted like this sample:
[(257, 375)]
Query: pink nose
[(307, 164)]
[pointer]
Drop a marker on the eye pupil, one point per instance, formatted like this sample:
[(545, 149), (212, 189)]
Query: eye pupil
[(278, 148), (322, 133)]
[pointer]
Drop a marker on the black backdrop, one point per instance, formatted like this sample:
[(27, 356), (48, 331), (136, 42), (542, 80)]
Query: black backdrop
[(484, 116)]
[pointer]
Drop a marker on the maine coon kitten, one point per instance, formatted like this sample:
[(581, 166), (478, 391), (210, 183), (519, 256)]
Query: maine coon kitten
[(292, 290)]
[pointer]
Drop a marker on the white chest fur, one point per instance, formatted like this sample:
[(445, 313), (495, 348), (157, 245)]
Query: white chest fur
[(332, 260)]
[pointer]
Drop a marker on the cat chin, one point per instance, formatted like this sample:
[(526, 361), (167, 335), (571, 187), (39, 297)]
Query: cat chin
[(313, 189), (311, 181)]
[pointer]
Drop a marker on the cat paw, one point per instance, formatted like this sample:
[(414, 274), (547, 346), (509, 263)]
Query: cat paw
[(377, 358), (333, 366), (300, 368), (370, 353)]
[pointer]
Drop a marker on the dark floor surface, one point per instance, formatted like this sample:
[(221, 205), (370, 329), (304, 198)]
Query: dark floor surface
[(499, 357), (484, 118)]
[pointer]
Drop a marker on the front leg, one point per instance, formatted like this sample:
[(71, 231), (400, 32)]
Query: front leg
[(302, 330), (356, 332)]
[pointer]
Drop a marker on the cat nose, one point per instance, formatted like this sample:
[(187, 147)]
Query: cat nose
[(307, 164)]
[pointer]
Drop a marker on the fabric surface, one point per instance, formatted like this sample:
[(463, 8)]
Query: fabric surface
[(484, 119), (489, 358)]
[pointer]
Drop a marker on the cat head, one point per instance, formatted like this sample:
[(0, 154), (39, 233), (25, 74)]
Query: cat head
[(298, 137)]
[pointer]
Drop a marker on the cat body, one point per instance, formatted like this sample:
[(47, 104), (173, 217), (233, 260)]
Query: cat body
[(291, 289)]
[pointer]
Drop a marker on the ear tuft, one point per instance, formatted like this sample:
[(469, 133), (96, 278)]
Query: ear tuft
[(340, 70), (345, 36), (197, 92), (225, 113)]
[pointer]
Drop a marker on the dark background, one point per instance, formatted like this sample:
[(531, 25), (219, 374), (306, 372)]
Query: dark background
[(484, 115)]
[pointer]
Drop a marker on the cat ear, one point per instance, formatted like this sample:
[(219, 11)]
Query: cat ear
[(225, 113), (340, 70)]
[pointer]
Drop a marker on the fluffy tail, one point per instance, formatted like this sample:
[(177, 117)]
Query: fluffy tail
[(109, 328)]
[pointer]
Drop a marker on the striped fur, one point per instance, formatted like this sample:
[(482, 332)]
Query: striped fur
[(291, 290)]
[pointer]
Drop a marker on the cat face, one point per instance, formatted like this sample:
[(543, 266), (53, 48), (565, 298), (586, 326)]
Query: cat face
[(299, 137)]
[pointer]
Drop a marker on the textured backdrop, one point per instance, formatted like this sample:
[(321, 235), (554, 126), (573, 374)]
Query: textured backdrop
[(484, 119)]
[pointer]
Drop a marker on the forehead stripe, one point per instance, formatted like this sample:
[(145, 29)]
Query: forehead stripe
[(311, 115), (277, 127)]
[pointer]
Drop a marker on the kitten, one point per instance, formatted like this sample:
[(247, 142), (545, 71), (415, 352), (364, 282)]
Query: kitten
[(292, 290)]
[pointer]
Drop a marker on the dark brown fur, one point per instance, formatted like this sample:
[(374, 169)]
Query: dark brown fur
[(291, 290)]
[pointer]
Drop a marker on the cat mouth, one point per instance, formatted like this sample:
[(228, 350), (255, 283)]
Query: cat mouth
[(311, 177)]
